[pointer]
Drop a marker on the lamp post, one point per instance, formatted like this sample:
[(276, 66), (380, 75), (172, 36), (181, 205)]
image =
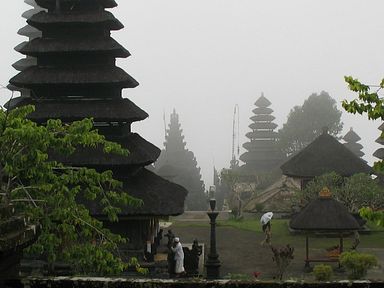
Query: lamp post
[(213, 263)]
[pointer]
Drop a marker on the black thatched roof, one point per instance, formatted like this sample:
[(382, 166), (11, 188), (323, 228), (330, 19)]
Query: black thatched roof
[(262, 101), (142, 153), (51, 4), (29, 31), (351, 136), (324, 214), (45, 76), (379, 153), (168, 171), (262, 110), (261, 155), (23, 64), (262, 117), (161, 197), (14, 88), (263, 125), (43, 19), (257, 145), (20, 46), (101, 110), (29, 13), (261, 134), (30, 2), (41, 46), (325, 154)]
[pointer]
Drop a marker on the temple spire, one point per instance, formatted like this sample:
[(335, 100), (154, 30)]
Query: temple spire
[(351, 139), (179, 164), (262, 153)]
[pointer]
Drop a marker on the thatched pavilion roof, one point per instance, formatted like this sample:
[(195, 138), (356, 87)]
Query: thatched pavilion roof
[(325, 154), (324, 214)]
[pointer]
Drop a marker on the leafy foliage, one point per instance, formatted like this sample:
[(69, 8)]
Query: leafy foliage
[(47, 191), (357, 264), (371, 215), (323, 272), (282, 256), (354, 192), (306, 122), (369, 103)]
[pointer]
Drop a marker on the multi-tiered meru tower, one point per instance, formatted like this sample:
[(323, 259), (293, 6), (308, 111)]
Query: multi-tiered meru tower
[(263, 154), (179, 164), (351, 139), (75, 76)]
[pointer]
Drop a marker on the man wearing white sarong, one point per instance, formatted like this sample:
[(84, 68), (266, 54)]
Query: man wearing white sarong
[(179, 257)]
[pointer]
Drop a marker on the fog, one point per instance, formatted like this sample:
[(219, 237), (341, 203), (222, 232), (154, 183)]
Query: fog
[(202, 57)]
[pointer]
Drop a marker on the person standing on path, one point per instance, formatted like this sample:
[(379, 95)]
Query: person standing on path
[(177, 248)]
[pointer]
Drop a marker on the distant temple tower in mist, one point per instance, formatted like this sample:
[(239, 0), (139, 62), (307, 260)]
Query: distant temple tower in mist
[(263, 153), (351, 139), (179, 165)]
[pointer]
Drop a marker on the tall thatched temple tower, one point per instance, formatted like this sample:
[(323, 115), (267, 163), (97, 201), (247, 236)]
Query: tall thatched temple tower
[(351, 139), (262, 153), (31, 33), (75, 76), (179, 164)]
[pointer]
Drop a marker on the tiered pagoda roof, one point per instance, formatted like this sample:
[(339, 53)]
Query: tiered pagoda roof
[(31, 33), (379, 153), (180, 165), (351, 139), (75, 76), (262, 153)]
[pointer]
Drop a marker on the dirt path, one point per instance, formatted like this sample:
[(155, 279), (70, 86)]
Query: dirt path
[(241, 253)]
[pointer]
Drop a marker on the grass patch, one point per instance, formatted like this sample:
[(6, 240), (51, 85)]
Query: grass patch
[(282, 236)]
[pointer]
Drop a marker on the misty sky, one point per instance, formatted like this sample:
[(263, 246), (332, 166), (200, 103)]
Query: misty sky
[(202, 57)]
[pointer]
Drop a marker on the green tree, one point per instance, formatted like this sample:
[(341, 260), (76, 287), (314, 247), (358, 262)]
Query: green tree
[(354, 192), (370, 103), (306, 122), (332, 181), (47, 192), (231, 179)]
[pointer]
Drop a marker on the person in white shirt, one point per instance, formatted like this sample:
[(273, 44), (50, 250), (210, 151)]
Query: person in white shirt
[(177, 248)]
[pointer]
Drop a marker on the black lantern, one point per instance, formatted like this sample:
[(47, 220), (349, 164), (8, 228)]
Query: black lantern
[(212, 204), (213, 263)]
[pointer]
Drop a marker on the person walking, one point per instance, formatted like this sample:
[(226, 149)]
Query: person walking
[(177, 248), (266, 226)]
